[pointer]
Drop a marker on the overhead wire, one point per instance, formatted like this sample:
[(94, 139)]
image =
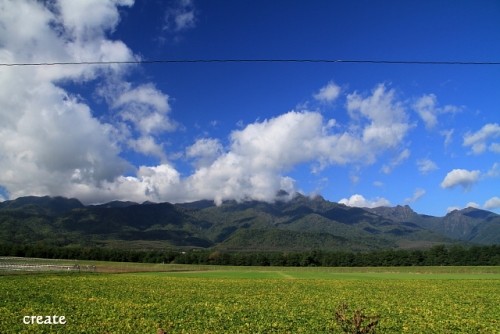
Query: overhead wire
[(264, 60)]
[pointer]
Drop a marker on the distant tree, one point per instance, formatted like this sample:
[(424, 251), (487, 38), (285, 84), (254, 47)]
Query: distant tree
[(437, 256)]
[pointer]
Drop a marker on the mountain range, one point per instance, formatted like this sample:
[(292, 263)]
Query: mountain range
[(302, 223)]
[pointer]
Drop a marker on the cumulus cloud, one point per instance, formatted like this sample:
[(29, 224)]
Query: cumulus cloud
[(148, 146), (259, 155), (328, 93), (50, 140), (360, 201), (461, 177), (493, 203), (425, 166), (145, 107), (427, 108), (480, 140), (204, 151), (141, 112), (153, 183), (386, 117), (70, 31)]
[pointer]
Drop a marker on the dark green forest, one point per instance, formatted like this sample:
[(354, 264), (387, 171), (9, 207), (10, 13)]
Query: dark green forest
[(439, 255)]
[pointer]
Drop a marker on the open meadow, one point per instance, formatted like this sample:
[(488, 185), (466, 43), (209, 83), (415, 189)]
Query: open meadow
[(141, 298)]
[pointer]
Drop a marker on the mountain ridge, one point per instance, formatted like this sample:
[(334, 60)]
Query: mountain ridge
[(300, 223)]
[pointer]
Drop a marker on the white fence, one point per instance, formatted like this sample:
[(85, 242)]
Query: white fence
[(34, 265)]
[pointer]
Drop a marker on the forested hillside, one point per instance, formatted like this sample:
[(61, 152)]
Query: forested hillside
[(301, 224)]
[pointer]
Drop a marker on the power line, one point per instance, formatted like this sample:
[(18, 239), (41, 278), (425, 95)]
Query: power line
[(170, 61)]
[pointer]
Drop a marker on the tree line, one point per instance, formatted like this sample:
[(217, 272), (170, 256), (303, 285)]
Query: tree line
[(440, 255)]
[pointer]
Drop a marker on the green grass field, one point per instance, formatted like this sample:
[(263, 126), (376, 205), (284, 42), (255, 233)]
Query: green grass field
[(211, 299)]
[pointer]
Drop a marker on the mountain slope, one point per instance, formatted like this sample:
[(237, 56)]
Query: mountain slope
[(302, 223), (469, 224), (42, 205)]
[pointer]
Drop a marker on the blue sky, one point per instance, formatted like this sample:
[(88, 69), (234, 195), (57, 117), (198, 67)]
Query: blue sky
[(362, 134)]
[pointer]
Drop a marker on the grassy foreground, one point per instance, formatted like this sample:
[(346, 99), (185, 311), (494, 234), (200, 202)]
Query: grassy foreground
[(210, 299)]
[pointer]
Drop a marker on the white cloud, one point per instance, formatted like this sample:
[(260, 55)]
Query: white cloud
[(297, 137), (427, 108), (359, 201), (283, 141), (50, 140), (494, 171), (51, 137), (89, 19), (472, 205), (149, 183), (328, 93), (180, 16), (258, 156), (404, 155), (448, 136), (425, 166), (35, 31), (492, 204), (386, 116), (145, 107), (292, 138), (205, 151), (460, 177), (148, 146), (262, 152), (419, 192), (478, 141)]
